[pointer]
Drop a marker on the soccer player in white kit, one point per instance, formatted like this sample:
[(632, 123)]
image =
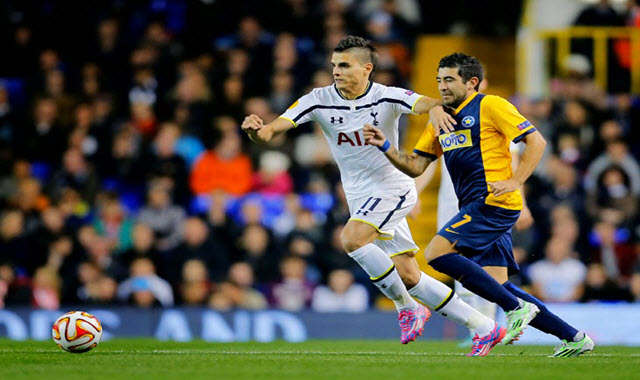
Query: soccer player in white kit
[(377, 235)]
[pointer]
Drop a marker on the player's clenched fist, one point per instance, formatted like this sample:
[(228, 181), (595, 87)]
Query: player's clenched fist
[(251, 123), (373, 136)]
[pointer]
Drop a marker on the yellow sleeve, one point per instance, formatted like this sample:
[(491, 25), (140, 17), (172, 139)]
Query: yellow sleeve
[(505, 117), (428, 145)]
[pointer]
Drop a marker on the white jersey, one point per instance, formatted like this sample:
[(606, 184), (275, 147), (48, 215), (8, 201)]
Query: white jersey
[(363, 168)]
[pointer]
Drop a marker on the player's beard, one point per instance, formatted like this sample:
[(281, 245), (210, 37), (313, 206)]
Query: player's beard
[(455, 101)]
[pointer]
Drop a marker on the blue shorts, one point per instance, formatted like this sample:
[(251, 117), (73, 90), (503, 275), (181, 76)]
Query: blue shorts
[(482, 233)]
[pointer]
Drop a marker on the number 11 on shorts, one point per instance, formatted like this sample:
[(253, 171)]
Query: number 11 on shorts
[(363, 210)]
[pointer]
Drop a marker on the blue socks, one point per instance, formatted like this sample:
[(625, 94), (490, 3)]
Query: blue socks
[(545, 321), (474, 278)]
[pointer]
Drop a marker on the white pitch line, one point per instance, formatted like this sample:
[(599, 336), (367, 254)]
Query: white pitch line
[(319, 353), (368, 353)]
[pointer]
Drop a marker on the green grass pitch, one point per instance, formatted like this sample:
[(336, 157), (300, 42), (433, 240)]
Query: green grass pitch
[(136, 359)]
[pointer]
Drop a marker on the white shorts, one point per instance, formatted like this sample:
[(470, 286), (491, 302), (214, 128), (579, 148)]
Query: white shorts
[(386, 211)]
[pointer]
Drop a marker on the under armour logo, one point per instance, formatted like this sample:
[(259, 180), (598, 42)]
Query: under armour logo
[(363, 212), (375, 121), (338, 119)]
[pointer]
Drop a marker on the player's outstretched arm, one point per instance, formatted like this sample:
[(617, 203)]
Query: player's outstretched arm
[(410, 164), (261, 133), (530, 158), (438, 117)]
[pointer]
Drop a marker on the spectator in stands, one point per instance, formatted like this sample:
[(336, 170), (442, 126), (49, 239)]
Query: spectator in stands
[(293, 292), (223, 168), (101, 291), (98, 249), (300, 245), (610, 248), (113, 223), (192, 91), (616, 153), (565, 225), (610, 130), (272, 177), (282, 91), (81, 136), (223, 230), (285, 222), (31, 201), (91, 83), (143, 287), (121, 163), (163, 164), (564, 188), (242, 277), (145, 86), (142, 245), (559, 277), (55, 89), (252, 211), (13, 244), (238, 291), (257, 248), (199, 244), (613, 200), (575, 127), (341, 294), (187, 146), (60, 258), (143, 119), (77, 174), (163, 217), (9, 183), (195, 286), (600, 287), (46, 288), (75, 210), (44, 139)]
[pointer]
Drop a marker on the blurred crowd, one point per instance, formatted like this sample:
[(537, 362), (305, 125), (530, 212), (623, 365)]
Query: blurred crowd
[(125, 180)]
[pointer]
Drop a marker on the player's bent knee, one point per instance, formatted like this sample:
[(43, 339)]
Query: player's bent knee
[(351, 242), (350, 245), (356, 235)]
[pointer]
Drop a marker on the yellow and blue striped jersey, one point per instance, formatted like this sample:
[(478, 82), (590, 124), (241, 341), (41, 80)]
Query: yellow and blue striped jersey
[(477, 151)]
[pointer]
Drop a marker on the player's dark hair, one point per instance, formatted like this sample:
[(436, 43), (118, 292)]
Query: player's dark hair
[(355, 42), (468, 66)]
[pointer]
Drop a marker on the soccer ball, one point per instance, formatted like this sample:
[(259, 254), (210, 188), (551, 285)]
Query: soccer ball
[(77, 331)]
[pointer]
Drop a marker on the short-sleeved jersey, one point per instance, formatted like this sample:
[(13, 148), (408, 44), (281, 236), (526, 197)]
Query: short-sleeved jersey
[(477, 151), (362, 167)]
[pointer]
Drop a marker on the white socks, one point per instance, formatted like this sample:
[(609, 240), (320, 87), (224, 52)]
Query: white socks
[(444, 300), (487, 308), (382, 272), (430, 291)]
